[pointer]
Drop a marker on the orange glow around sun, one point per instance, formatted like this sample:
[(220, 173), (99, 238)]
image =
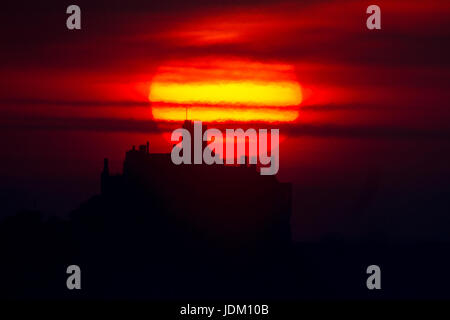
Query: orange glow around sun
[(225, 90)]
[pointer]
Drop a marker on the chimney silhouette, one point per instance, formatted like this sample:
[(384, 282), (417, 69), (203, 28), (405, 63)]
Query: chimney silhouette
[(104, 176)]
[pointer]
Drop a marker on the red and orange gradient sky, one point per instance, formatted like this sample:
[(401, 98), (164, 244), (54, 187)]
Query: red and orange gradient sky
[(347, 98), (314, 59)]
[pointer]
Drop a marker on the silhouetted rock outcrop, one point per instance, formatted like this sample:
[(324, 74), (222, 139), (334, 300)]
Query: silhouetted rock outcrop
[(161, 230)]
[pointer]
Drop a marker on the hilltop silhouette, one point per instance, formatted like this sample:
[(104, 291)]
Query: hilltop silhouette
[(162, 231), (158, 230)]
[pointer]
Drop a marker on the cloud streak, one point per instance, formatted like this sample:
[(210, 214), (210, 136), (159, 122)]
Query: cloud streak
[(151, 126)]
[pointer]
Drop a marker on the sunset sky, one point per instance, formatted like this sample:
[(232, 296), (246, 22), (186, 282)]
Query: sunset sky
[(365, 112)]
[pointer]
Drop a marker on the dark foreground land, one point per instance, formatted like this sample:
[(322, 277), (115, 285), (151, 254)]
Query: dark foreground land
[(165, 232), (34, 262)]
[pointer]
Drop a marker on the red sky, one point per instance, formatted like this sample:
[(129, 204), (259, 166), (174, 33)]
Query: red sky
[(90, 88), (349, 75)]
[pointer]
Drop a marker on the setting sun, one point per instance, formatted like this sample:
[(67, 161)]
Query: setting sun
[(225, 91), (247, 93)]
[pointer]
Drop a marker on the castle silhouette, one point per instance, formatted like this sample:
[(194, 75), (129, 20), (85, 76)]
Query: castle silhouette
[(161, 231), (158, 230), (227, 205), (186, 215)]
